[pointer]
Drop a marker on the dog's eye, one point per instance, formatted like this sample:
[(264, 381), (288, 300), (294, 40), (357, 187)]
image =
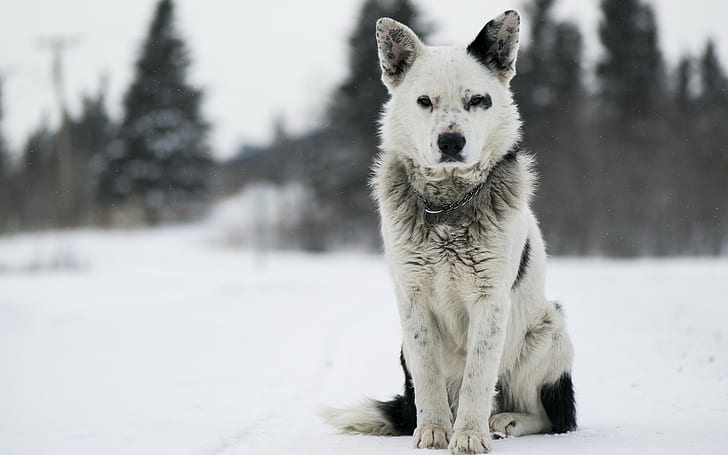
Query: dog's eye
[(482, 101), (424, 101)]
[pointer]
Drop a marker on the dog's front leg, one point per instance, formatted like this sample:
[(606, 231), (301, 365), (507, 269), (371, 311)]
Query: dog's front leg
[(486, 337), (422, 345)]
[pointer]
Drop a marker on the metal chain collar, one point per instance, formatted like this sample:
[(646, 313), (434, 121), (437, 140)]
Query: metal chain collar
[(437, 209)]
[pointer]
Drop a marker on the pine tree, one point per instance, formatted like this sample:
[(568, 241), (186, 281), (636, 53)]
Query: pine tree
[(162, 160), (550, 94), (631, 73), (683, 93), (711, 154), (549, 66), (5, 187), (631, 131), (37, 197), (340, 171), (713, 80), (92, 134), (4, 159)]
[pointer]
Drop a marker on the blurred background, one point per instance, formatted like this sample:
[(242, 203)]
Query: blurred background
[(263, 116), (163, 164)]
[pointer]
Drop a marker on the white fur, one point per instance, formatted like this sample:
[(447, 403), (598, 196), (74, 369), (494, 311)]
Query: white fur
[(487, 131), (463, 329), (362, 418)]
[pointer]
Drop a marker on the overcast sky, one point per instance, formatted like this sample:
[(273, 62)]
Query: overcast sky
[(257, 59)]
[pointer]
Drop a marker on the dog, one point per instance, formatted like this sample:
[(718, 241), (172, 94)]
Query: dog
[(483, 350)]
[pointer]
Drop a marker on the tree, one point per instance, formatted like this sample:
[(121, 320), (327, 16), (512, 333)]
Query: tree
[(92, 134), (631, 73), (5, 187), (549, 68), (633, 146), (551, 97), (684, 98), (162, 159), (37, 195), (711, 154), (713, 80), (4, 159), (349, 140)]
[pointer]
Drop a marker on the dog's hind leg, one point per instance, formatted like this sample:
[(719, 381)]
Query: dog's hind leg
[(554, 411), (537, 395), (518, 424)]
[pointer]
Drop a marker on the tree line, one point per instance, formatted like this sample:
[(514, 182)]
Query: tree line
[(632, 154), (152, 165)]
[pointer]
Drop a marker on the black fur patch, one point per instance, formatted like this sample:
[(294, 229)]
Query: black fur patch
[(401, 411), (525, 258), (494, 46), (558, 401), (503, 402)]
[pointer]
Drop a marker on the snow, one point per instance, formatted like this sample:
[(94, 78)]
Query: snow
[(172, 341)]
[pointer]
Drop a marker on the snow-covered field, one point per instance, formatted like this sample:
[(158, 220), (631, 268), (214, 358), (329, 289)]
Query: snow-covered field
[(170, 342)]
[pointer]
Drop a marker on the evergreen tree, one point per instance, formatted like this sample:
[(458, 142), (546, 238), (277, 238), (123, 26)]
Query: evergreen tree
[(340, 171), (4, 159), (633, 139), (92, 134), (711, 156), (631, 73), (162, 159), (550, 94), (549, 68), (713, 81), (5, 188), (39, 150), (683, 92), (38, 198)]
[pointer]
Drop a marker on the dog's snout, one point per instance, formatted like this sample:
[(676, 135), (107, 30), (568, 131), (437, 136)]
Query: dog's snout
[(451, 144)]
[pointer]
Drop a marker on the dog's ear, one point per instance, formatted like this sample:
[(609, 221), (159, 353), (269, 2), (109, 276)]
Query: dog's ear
[(398, 47), (496, 46)]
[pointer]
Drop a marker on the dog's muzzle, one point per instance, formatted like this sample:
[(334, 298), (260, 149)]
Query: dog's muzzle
[(451, 146)]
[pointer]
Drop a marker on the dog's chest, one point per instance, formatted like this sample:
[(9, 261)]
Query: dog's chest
[(457, 261), (451, 280)]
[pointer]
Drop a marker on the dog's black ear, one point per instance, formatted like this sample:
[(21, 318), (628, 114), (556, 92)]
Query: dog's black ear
[(398, 47), (496, 46)]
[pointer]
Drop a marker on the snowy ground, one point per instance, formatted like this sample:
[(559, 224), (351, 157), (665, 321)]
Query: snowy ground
[(169, 342)]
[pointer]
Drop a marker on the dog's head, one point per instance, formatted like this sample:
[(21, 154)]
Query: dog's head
[(450, 108)]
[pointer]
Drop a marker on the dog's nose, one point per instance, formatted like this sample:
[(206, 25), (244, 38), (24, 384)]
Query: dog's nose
[(451, 144)]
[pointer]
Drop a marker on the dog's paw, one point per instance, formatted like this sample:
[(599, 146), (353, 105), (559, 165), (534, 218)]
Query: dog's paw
[(469, 441), (503, 425), (430, 436)]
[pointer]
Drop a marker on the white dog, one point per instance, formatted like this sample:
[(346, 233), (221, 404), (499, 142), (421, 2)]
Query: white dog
[(483, 350)]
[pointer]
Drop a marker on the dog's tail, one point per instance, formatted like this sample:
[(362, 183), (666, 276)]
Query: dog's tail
[(396, 417)]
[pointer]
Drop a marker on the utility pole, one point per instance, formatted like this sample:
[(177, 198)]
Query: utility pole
[(66, 188)]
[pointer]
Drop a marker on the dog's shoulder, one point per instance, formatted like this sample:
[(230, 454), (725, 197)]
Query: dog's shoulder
[(391, 184), (509, 185)]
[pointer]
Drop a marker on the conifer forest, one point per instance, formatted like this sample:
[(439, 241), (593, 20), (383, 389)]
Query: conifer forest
[(632, 150)]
